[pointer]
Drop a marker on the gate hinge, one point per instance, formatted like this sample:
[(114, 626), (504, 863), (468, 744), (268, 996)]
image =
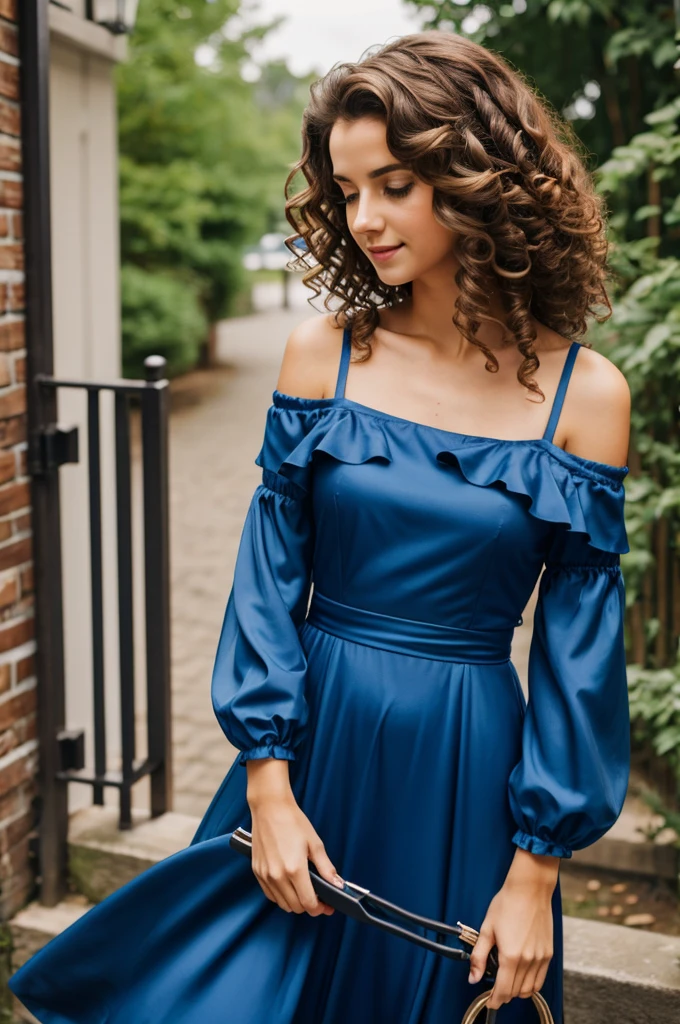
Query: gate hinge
[(71, 749), (51, 447)]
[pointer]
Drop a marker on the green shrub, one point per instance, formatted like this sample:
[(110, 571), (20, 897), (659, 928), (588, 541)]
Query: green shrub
[(161, 315)]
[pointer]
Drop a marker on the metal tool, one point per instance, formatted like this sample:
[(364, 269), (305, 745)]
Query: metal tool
[(363, 905)]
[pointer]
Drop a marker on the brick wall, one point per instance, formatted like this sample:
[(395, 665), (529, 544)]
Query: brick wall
[(18, 734)]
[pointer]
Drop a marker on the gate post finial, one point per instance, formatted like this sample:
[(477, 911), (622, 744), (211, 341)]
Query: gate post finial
[(154, 368)]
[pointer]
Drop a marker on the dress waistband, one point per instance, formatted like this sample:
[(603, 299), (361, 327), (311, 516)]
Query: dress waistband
[(409, 636)]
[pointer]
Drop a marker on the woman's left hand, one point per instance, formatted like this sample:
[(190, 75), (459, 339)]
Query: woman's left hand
[(519, 922)]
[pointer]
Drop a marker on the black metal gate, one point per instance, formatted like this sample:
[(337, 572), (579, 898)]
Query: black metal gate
[(50, 446)]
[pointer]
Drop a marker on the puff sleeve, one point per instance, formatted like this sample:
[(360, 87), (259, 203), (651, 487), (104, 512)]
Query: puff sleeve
[(570, 784), (258, 679)]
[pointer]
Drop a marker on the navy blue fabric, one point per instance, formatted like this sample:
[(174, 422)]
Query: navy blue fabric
[(561, 391), (411, 746)]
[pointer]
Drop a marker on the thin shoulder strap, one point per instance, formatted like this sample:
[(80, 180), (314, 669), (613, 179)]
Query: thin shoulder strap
[(344, 362), (561, 390)]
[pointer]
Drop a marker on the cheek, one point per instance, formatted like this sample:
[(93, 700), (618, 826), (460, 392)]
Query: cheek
[(426, 233)]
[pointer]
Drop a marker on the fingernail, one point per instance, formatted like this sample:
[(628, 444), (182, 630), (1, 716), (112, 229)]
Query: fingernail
[(472, 977), (338, 881)]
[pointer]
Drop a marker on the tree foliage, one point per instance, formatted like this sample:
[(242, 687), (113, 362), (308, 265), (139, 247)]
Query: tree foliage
[(204, 154)]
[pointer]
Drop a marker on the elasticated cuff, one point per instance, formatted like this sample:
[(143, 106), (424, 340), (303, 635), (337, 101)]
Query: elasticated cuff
[(268, 750), (535, 845)]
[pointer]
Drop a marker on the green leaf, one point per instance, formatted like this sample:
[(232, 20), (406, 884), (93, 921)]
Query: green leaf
[(646, 211)]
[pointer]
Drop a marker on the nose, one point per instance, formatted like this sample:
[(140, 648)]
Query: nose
[(367, 216)]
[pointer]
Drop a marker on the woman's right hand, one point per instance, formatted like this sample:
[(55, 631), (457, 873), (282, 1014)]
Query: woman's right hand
[(283, 840)]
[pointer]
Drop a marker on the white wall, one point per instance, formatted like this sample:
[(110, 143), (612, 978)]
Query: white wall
[(87, 346)]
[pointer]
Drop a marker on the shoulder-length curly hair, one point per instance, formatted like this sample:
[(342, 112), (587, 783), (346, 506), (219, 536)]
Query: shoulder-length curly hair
[(508, 179)]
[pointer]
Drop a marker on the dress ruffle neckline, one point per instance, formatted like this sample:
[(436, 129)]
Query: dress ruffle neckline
[(585, 495)]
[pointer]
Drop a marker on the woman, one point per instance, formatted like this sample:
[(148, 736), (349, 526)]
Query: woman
[(431, 446)]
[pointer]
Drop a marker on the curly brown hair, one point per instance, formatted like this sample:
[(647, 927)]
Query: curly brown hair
[(508, 177)]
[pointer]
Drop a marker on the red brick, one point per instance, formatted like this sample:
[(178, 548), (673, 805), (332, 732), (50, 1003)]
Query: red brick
[(25, 668), (4, 225), (16, 801), (10, 156), (5, 375), (5, 678), (14, 496), (12, 256), (8, 741), (22, 524), (15, 859), (20, 369), (12, 403), (9, 80), (7, 466), (12, 194), (16, 632), (18, 225), (12, 332), (27, 728), (23, 607), (19, 771), (17, 892), (10, 118), (9, 592), (15, 830), (27, 577), (15, 554), (16, 299), (8, 9), (14, 708), (13, 431), (23, 462), (9, 40)]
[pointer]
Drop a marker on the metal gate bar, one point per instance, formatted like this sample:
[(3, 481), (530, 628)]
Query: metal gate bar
[(58, 447)]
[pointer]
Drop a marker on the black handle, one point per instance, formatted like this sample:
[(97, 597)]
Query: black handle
[(363, 905)]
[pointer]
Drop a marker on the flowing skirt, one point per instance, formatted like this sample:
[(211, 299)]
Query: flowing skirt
[(403, 774)]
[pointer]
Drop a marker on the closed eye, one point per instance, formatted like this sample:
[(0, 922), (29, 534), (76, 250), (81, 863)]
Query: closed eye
[(395, 193)]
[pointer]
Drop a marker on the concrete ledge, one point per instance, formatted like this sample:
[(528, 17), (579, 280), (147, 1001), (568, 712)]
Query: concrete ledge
[(102, 858), (31, 929), (626, 848), (614, 973), (35, 925), (648, 859)]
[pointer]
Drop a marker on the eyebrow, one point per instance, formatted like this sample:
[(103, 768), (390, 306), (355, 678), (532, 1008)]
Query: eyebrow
[(377, 173)]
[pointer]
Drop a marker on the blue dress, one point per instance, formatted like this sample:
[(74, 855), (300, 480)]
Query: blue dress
[(412, 749)]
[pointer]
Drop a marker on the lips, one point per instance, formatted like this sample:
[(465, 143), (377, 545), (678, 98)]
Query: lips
[(385, 248), (384, 254)]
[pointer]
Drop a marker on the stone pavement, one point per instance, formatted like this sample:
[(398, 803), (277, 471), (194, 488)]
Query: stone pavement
[(216, 431), (217, 424)]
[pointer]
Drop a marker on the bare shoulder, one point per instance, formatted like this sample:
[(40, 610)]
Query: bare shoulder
[(597, 410), (311, 358)]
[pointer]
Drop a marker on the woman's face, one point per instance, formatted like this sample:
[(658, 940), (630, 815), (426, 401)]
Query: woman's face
[(386, 205)]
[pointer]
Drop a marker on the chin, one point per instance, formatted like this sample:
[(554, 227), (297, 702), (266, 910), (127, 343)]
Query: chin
[(394, 278)]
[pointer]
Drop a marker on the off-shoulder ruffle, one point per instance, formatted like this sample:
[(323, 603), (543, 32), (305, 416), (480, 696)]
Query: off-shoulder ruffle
[(344, 435), (586, 496)]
